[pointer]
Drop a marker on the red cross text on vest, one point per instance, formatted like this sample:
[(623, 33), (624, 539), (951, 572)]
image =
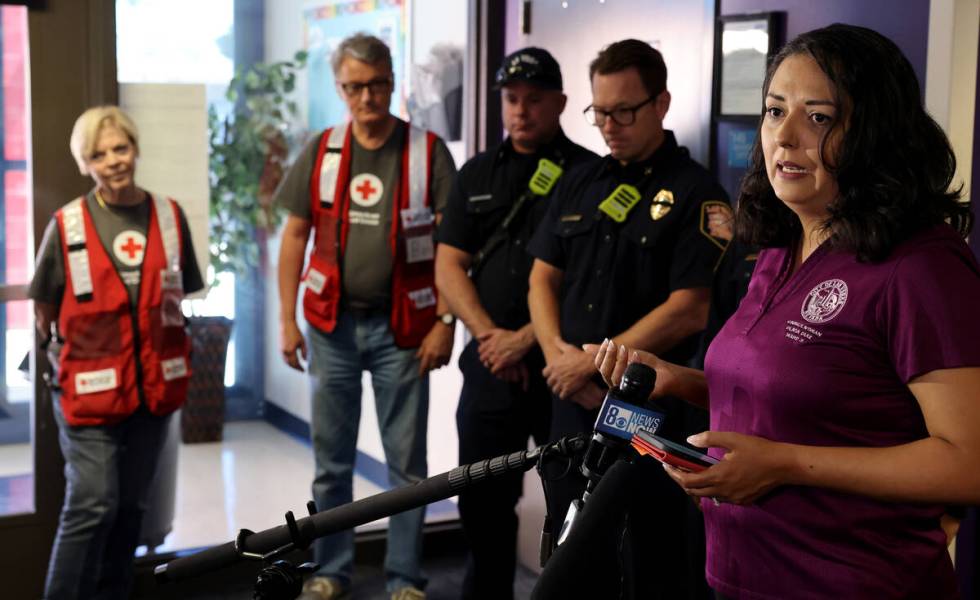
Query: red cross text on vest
[(131, 248), (366, 189)]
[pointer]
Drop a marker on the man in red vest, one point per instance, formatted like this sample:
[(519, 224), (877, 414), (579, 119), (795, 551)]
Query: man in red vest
[(370, 192), (112, 270)]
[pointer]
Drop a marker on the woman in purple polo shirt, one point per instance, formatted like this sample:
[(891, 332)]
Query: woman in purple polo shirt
[(845, 391)]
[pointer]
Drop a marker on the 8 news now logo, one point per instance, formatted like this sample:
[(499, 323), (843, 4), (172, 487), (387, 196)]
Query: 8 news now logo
[(628, 420)]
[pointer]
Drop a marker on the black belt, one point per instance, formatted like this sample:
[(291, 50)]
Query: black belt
[(366, 312)]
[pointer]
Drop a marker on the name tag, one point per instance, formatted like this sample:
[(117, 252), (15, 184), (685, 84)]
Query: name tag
[(416, 217), (171, 279), (422, 298), (621, 419), (174, 368), (171, 294), (419, 248), (315, 280), (91, 382)]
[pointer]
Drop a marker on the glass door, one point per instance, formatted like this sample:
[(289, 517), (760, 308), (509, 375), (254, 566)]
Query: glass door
[(16, 267), (29, 460)]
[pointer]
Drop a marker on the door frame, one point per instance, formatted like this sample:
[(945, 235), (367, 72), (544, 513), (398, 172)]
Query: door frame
[(72, 57)]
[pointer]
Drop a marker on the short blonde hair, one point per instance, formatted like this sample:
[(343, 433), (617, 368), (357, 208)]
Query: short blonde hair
[(85, 133)]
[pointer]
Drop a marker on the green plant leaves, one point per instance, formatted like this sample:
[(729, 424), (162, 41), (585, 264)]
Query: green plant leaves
[(248, 149)]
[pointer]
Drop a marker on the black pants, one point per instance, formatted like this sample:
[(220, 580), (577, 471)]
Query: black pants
[(495, 418), (662, 552)]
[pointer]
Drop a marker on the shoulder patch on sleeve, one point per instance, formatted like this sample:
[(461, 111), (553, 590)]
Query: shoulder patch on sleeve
[(716, 222)]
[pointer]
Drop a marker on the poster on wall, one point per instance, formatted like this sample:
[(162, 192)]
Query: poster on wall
[(733, 153), (744, 44), (326, 23)]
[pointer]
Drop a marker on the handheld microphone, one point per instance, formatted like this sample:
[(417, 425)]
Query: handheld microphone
[(624, 410)]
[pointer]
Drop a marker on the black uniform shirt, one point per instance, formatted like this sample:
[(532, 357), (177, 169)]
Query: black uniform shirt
[(615, 273), (481, 196)]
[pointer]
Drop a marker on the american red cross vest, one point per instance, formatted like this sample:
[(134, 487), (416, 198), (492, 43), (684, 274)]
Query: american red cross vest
[(110, 349), (413, 293)]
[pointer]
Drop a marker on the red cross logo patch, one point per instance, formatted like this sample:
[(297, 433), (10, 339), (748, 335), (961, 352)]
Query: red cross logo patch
[(366, 190), (129, 247)]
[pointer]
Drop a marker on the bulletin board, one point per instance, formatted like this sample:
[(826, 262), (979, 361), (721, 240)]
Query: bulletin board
[(326, 24)]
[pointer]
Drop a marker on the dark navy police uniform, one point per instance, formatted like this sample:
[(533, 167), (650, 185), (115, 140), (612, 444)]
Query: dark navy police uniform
[(495, 417), (613, 275)]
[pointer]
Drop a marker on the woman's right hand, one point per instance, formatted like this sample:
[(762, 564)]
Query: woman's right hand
[(611, 361)]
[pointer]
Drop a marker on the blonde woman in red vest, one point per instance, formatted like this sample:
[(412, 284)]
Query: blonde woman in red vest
[(112, 269), (368, 192)]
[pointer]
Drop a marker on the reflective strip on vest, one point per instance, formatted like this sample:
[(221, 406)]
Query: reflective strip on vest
[(417, 167), (168, 232), (78, 262), (330, 166)]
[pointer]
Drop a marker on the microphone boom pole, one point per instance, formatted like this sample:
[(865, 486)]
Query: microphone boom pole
[(300, 533)]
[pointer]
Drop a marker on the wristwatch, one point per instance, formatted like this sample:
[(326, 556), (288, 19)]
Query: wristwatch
[(447, 319)]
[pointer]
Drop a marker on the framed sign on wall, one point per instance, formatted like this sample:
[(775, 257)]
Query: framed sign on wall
[(744, 45)]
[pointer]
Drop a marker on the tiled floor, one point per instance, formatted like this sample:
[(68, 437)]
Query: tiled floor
[(248, 480)]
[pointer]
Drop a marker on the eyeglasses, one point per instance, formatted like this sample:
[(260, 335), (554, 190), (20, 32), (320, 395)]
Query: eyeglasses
[(621, 116), (375, 86)]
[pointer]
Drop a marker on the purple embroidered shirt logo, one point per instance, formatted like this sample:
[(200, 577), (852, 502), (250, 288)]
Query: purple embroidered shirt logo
[(825, 301)]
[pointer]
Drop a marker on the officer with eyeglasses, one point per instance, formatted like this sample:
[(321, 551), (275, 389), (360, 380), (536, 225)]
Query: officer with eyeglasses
[(482, 265), (625, 253)]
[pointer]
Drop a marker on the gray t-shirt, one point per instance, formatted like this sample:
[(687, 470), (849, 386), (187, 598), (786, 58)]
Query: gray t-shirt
[(122, 232), (366, 265)]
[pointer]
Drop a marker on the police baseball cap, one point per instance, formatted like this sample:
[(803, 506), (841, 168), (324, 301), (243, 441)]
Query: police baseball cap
[(533, 65)]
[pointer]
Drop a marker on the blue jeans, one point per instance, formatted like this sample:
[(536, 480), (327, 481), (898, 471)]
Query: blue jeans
[(401, 397), (108, 471)]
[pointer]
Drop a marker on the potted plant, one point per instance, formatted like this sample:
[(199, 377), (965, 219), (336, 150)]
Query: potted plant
[(248, 148)]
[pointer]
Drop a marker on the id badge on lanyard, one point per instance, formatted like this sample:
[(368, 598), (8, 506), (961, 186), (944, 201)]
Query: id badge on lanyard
[(417, 225), (171, 295)]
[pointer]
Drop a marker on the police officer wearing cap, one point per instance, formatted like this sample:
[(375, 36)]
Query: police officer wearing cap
[(482, 266), (624, 253)]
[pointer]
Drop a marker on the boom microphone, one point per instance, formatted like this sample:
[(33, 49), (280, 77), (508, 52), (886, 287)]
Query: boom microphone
[(300, 532), (624, 410)]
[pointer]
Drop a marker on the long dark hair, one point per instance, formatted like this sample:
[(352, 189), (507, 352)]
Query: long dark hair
[(895, 164)]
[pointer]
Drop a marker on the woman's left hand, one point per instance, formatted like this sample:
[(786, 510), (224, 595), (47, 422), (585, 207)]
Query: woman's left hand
[(751, 468)]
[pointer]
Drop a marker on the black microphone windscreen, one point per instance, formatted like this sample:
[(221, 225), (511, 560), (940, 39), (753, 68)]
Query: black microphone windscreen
[(585, 564), (638, 382)]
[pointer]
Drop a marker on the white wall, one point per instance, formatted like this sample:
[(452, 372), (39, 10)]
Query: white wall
[(172, 120), (951, 77), (434, 22), (681, 29)]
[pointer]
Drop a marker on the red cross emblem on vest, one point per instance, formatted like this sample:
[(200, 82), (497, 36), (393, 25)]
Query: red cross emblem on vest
[(366, 190), (129, 247)]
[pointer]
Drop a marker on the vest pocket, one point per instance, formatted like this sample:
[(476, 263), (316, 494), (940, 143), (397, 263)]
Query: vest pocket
[(97, 392), (322, 290), (94, 336)]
